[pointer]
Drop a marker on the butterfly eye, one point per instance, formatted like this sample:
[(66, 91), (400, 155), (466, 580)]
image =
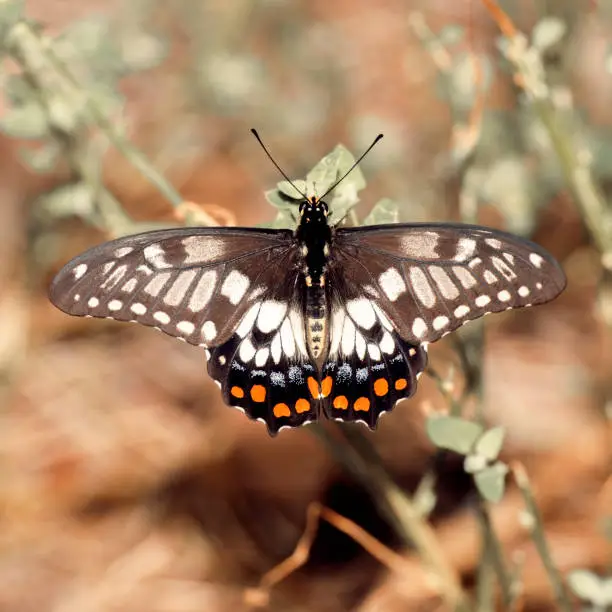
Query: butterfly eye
[(303, 204)]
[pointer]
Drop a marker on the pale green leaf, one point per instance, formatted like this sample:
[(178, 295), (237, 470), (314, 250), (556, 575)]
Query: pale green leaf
[(453, 433), (491, 481), (451, 34), (591, 587), (283, 220), (289, 190), (28, 121), (71, 199), (547, 32), (474, 463), (490, 443), (384, 211), (42, 159)]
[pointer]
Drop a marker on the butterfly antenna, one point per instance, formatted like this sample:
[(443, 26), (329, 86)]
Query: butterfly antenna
[(263, 146), (352, 167)]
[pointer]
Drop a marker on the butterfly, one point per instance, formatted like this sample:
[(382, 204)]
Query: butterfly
[(321, 320)]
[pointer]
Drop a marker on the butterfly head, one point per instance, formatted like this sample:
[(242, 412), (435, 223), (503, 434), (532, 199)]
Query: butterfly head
[(313, 210)]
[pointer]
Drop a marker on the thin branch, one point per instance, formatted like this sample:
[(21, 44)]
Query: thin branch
[(539, 537), (52, 78), (574, 157)]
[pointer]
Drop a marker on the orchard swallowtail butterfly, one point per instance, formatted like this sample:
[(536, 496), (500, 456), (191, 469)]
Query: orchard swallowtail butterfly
[(320, 320)]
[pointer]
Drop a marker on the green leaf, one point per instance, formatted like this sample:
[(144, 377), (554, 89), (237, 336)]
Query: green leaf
[(42, 159), (281, 201), (474, 463), (591, 587), (71, 199), (451, 34), (491, 481), (547, 32), (28, 121), (11, 11), (289, 190), (490, 443), (283, 220), (327, 172), (453, 433), (384, 211)]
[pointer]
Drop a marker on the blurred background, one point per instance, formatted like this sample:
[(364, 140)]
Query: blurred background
[(126, 483)]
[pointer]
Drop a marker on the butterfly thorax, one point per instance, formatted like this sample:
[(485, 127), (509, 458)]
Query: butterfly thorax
[(314, 238)]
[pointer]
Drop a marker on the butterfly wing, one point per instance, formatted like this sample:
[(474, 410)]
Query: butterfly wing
[(192, 283), (429, 279), (264, 368), (369, 367), (230, 290)]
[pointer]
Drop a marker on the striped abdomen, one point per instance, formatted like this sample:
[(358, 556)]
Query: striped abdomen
[(316, 320)]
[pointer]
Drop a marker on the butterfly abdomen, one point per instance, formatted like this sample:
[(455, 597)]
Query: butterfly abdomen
[(316, 320)]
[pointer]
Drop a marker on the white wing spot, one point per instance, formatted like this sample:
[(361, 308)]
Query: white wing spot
[(419, 327), (440, 322), (362, 312), (504, 296), (287, 338), (156, 256), (185, 327), (261, 357), (360, 345), (446, 286), (382, 317), (465, 249), (79, 271), (392, 283), (209, 331), (536, 259), (465, 278), (130, 285), (246, 325), (494, 243), (490, 277), (348, 336), (509, 258), (157, 283), (138, 308), (271, 315), (386, 344), (235, 286), (114, 278), (523, 291), (461, 311), (93, 302), (501, 266), (123, 251), (108, 267), (77, 297), (475, 262), (538, 286), (247, 350), (162, 317), (276, 348), (374, 352), (179, 288), (222, 360), (482, 300), (203, 291), (115, 305), (421, 287)]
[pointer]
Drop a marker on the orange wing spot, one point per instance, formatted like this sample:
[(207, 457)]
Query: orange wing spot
[(237, 392), (302, 405), (258, 393), (381, 387), (401, 383), (362, 403), (313, 387), (281, 410), (326, 386), (340, 402)]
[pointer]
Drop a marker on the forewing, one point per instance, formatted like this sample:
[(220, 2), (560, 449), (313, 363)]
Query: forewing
[(431, 278), (192, 283)]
